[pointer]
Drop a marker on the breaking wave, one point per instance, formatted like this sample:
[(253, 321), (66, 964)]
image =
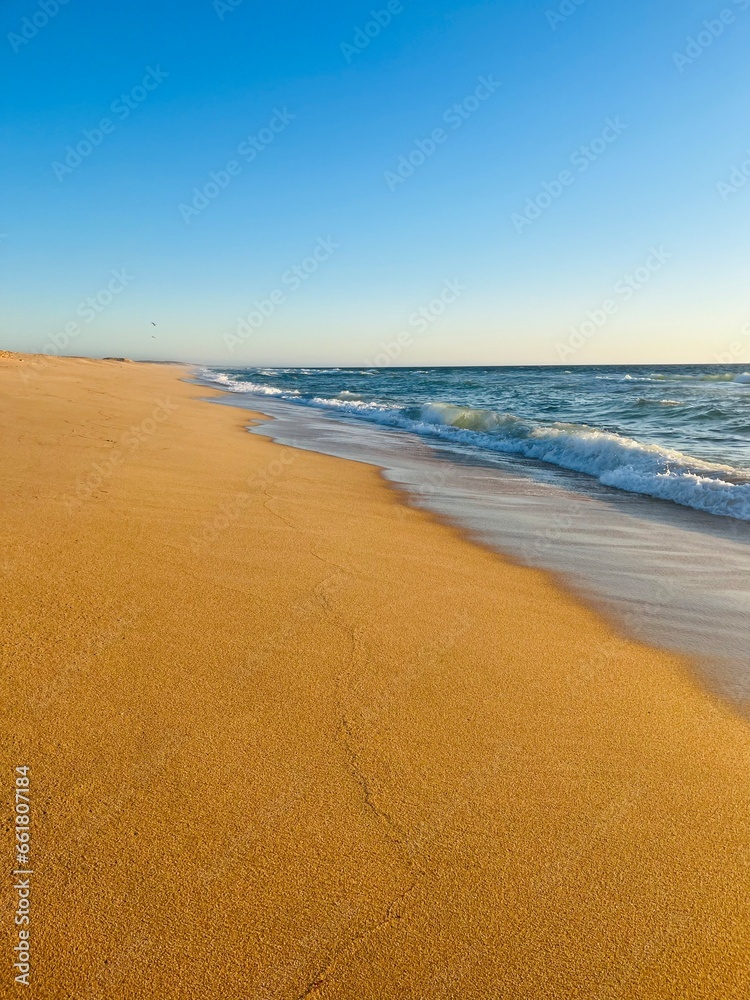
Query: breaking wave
[(613, 459)]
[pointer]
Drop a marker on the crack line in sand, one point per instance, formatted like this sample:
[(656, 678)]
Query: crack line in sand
[(347, 571), (390, 916), (395, 833)]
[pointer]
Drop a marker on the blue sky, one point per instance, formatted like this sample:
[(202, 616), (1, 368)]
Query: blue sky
[(116, 118)]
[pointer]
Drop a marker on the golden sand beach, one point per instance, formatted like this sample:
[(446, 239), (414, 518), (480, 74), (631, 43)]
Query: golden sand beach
[(289, 737)]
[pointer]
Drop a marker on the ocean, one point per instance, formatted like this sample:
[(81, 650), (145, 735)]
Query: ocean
[(632, 483)]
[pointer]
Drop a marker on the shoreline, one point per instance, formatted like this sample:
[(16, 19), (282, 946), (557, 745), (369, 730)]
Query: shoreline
[(370, 756), (640, 586)]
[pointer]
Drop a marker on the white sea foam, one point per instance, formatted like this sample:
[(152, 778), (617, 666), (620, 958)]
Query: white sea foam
[(227, 382), (743, 379), (613, 459)]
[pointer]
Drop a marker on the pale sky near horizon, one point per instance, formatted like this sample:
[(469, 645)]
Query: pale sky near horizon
[(563, 173)]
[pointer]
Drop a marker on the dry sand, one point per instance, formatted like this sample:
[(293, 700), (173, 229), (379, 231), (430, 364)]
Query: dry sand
[(291, 738)]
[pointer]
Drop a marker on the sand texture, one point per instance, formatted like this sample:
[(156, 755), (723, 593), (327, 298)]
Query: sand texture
[(291, 738)]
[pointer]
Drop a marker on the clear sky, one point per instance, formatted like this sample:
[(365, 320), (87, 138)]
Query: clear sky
[(181, 164)]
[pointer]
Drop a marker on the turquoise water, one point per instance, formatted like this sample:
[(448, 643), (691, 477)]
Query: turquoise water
[(680, 434)]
